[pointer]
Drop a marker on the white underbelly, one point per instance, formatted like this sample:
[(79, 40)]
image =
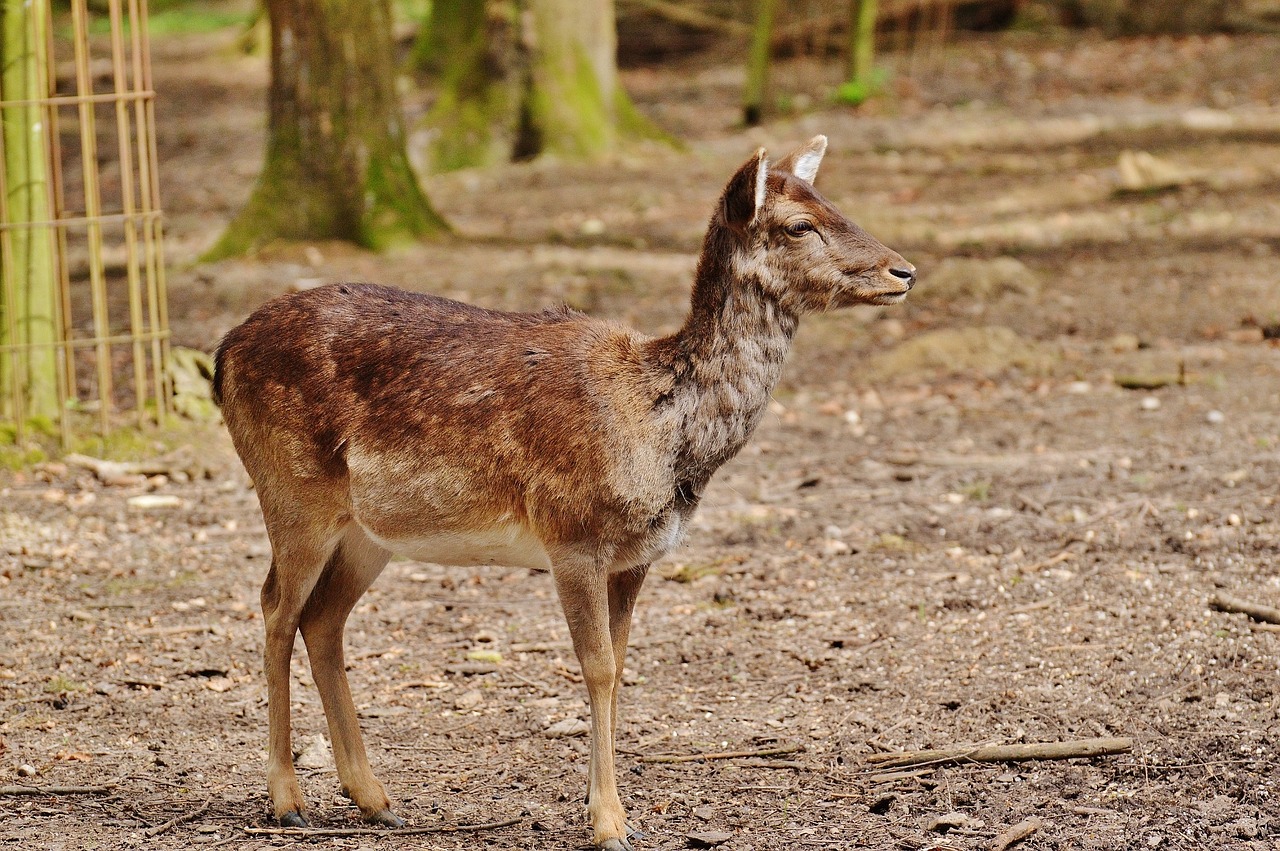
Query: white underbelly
[(507, 544)]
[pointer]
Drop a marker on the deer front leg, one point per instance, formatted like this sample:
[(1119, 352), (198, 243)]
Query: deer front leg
[(623, 589), (584, 596)]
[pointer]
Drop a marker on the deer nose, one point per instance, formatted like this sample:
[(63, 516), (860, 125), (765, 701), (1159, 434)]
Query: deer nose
[(907, 273)]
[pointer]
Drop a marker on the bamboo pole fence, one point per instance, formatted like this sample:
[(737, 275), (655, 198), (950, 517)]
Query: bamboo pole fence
[(89, 97)]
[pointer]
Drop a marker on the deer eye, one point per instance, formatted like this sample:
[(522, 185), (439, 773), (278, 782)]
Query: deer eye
[(799, 228)]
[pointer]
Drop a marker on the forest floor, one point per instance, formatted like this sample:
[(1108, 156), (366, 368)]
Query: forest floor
[(955, 527)]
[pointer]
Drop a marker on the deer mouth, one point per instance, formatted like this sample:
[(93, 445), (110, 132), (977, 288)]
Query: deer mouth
[(891, 297)]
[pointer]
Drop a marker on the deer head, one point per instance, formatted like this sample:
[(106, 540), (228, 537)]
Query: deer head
[(802, 251)]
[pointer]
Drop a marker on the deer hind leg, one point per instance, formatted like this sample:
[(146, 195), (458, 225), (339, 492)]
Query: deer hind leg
[(352, 568), (299, 552), (584, 596)]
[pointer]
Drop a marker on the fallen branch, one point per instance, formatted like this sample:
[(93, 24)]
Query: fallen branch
[(377, 831), (1017, 833), (698, 757), (1225, 603), (1005, 753), (55, 790), (174, 822), (114, 471), (693, 18), (895, 776)]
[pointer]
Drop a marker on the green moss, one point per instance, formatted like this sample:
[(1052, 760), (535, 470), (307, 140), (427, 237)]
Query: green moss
[(467, 130), (60, 684), (633, 124), (397, 211), (20, 457), (134, 443), (568, 108)]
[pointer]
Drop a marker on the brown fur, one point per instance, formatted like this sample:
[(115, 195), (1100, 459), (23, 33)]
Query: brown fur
[(374, 420)]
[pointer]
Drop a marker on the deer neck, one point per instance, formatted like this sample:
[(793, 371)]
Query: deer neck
[(727, 359)]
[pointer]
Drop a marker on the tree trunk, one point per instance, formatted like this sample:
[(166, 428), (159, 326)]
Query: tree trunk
[(29, 297), (572, 104), (336, 166), (473, 118), (862, 51), (758, 63)]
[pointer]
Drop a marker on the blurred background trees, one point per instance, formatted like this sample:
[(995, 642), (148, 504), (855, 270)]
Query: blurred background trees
[(519, 79), (336, 166)]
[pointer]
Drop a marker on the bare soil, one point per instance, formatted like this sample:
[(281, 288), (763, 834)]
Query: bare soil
[(936, 539)]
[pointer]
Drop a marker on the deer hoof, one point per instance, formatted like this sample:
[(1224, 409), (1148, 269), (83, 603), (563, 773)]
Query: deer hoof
[(617, 845), (386, 818), (293, 818)]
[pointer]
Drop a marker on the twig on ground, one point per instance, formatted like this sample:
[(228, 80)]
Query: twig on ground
[(1093, 811), (894, 776), (1065, 555), (698, 757), (1005, 753), (377, 831), (174, 822), (56, 790), (1017, 833), (1227, 603), (175, 630)]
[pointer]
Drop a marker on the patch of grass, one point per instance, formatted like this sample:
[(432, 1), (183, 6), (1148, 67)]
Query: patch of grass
[(179, 18), (17, 457), (891, 543), (60, 684), (978, 491), (686, 573)]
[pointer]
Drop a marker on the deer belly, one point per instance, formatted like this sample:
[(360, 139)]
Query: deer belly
[(506, 544)]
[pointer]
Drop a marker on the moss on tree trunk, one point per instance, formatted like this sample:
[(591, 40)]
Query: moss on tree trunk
[(572, 104), (472, 120), (753, 101), (336, 166)]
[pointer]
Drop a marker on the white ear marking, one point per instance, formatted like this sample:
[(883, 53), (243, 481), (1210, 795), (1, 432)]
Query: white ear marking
[(807, 161), (762, 173)]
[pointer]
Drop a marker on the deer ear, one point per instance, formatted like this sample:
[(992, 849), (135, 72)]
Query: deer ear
[(803, 162), (744, 196)]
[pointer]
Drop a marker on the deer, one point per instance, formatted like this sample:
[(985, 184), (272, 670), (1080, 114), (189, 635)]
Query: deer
[(374, 421)]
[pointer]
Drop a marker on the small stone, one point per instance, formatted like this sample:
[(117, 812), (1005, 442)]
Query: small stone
[(835, 547), (707, 838), (1215, 417), (151, 501), (1124, 343), (315, 753), (567, 729), (1079, 388), (1150, 403), (468, 700), (591, 227), (950, 821), (26, 770)]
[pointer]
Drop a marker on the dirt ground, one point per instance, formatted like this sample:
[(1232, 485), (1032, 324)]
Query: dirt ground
[(954, 528)]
